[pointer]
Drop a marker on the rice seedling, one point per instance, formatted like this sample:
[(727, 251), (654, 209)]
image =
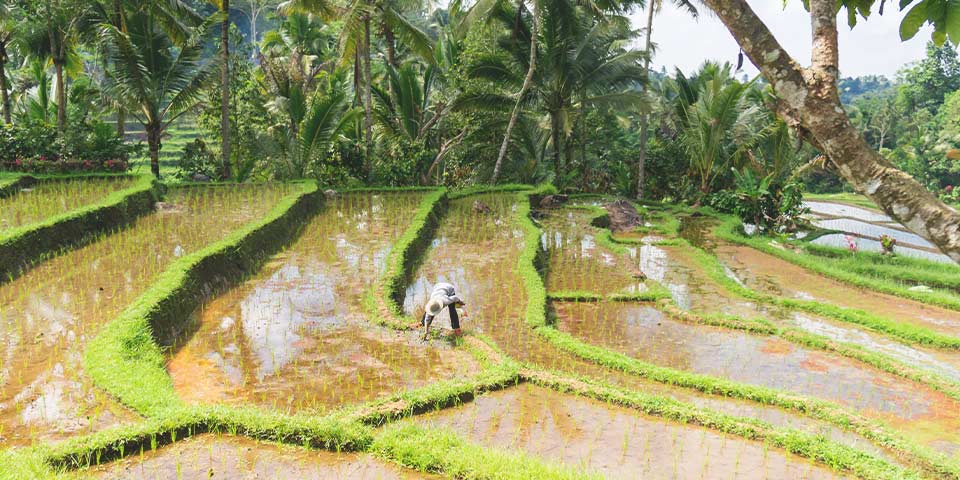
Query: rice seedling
[(53, 197)]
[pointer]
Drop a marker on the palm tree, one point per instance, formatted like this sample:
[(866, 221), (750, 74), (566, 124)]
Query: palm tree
[(355, 42), (53, 34), (146, 69), (652, 9), (721, 127), (224, 7), (8, 27), (583, 65)]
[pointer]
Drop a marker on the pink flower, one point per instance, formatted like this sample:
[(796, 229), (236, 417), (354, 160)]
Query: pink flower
[(851, 244)]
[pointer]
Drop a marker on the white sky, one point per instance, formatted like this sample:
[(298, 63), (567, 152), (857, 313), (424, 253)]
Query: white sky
[(872, 47)]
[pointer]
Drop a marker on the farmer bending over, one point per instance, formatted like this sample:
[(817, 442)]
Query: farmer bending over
[(444, 295)]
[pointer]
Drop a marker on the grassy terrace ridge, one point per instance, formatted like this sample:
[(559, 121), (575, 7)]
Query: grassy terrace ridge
[(125, 360), (27, 244), (383, 300), (941, 298), (759, 326), (126, 346), (929, 462)]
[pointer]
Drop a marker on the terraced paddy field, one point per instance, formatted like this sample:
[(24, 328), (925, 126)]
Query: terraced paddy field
[(269, 331)]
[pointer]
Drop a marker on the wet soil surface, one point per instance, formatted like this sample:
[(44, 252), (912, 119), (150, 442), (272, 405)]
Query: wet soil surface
[(296, 337), (866, 226), (616, 442), (224, 457), (578, 263), (47, 199), (767, 273), (48, 314), (479, 255)]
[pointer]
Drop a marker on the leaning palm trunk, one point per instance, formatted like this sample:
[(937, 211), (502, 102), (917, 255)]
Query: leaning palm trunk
[(527, 82), (225, 91), (809, 102)]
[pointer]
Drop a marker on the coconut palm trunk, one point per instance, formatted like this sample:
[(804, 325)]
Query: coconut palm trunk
[(367, 100), (527, 82), (153, 143), (4, 90), (225, 90), (645, 118)]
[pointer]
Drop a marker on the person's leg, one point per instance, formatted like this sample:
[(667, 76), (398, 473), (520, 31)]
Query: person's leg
[(454, 318)]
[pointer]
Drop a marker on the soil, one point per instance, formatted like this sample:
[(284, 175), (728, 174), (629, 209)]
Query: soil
[(623, 216)]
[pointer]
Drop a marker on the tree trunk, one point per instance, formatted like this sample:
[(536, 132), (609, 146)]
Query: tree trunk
[(527, 81), (61, 98), (367, 101), (4, 88), (225, 92), (645, 118), (391, 41), (153, 143), (121, 122), (809, 102), (555, 134)]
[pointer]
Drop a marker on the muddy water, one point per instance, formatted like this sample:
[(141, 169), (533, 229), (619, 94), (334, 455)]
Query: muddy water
[(296, 337), (866, 226), (478, 253), (47, 315), (46, 199), (770, 274), (212, 456), (616, 442), (644, 332), (577, 263)]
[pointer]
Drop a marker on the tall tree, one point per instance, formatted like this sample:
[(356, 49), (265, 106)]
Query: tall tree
[(358, 17), (147, 69), (652, 9), (224, 7), (8, 27), (809, 102)]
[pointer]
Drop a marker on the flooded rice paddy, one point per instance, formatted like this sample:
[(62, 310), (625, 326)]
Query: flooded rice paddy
[(865, 227), (295, 337), (212, 456), (49, 198), (613, 441), (48, 314)]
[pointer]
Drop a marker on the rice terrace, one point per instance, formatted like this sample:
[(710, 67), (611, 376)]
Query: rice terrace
[(529, 239)]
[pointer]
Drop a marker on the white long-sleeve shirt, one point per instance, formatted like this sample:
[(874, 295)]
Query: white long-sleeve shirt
[(446, 293)]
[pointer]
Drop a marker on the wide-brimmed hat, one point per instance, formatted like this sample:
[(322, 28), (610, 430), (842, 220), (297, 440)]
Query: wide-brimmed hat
[(434, 307)]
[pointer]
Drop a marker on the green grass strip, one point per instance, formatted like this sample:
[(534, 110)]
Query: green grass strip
[(442, 451), (384, 299), (485, 189), (837, 456), (946, 299), (125, 359), (27, 244), (899, 268), (817, 409), (10, 185), (912, 334)]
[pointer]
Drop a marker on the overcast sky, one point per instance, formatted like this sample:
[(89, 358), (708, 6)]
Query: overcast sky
[(873, 47)]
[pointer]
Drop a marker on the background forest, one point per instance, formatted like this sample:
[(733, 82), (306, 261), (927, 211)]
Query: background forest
[(392, 92)]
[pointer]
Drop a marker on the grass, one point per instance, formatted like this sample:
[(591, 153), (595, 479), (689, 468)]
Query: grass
[(442, 451), (921, 457), (838, 271), (837, 456), (382, 301), (125, 360), (26, 244), (843, 197)]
